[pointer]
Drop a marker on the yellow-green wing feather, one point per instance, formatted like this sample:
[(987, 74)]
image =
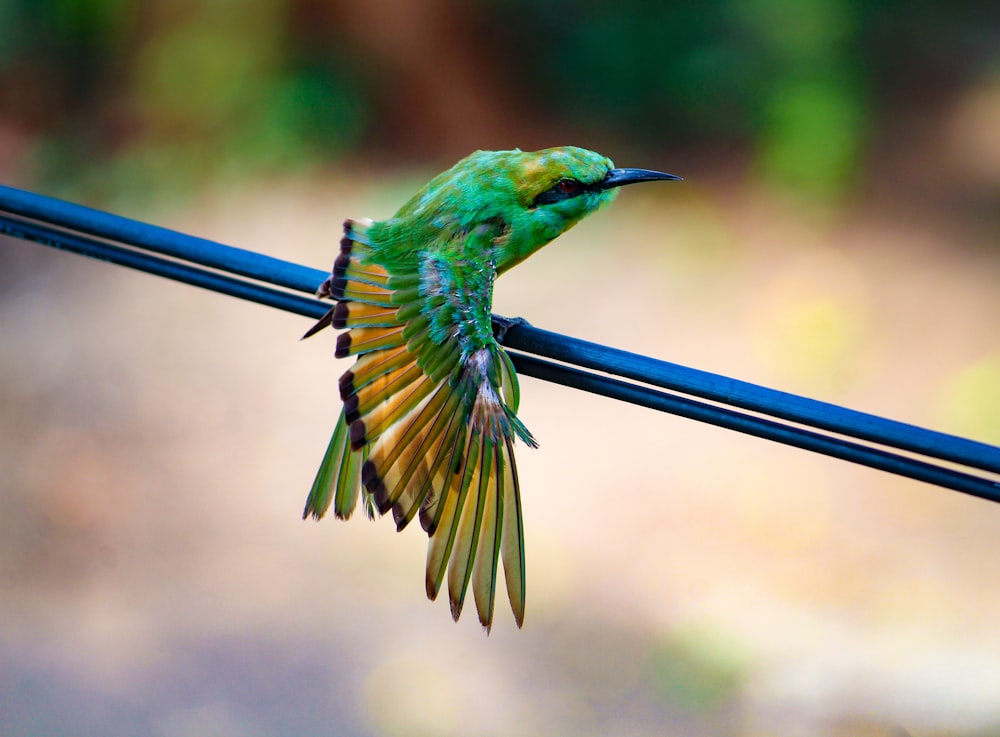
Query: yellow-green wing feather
[(428, 422)]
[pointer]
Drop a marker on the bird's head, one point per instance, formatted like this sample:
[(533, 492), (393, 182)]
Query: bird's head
[(554, 189), (529, 197)]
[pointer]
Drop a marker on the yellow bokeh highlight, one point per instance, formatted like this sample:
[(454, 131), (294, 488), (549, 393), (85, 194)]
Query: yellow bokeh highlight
[(970, 401), (408, 696), (810, 323)]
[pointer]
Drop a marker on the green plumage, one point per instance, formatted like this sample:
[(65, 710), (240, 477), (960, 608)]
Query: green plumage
[(429, 418)]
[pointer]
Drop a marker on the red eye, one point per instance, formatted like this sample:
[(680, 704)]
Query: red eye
[(564, 189)]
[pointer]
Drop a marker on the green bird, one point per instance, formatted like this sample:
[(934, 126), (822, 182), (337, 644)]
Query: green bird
[(430, 405)]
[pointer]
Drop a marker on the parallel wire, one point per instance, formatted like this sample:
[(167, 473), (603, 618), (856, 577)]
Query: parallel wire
[(760, 427), (771, 402), (59, 224)]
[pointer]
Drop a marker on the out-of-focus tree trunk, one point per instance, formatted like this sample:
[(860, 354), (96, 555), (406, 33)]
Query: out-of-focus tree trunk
[(446, 97)]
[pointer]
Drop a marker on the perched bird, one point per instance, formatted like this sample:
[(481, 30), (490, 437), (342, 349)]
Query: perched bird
[(430, 406)]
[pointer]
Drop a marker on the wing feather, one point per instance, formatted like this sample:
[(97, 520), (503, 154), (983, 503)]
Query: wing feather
[(402, 439), (429, 419), (361, 315), (370, 367)]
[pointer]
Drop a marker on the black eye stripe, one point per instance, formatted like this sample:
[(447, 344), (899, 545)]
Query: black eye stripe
[(557, 193)]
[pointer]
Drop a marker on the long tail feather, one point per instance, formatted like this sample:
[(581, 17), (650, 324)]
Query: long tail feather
[(452, 501), (484, 573), (512, 536), (467, 542)]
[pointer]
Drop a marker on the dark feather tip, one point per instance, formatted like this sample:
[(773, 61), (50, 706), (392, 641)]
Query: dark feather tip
[(357, 435), (347, 242), (351, 413), (369, 475), (427, 521), (340, 314), (340, 265), (346, 385), (337, 288), (343, 345), (376, 487)]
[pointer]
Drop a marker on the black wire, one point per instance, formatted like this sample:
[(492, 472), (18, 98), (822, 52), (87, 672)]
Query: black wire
[(717, 388), (108, 227), (771, 402), (175, 270), (757, 426)]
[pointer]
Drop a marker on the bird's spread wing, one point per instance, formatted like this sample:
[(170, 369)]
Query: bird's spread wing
[(428, 424)]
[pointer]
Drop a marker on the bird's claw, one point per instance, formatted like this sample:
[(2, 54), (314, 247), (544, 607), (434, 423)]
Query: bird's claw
[(503, 324)]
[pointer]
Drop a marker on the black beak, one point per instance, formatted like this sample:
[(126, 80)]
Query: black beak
[(621, 177)]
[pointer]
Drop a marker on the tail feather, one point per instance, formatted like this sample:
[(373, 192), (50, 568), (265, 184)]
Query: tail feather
[(469, 526), (512, 536), (484, 573), (452, 504), (439, 545)]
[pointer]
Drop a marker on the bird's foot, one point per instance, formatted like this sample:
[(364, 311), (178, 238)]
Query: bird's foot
[(502, 324)]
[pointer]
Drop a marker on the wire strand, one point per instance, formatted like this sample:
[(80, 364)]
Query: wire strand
[(183, 258)]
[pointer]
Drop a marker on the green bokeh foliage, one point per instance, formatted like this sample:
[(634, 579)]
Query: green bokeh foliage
[(115, 96)]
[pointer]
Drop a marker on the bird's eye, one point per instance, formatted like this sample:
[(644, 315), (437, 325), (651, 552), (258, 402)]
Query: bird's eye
[(564, 189)]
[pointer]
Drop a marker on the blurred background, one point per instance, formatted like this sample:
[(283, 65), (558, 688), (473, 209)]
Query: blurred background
[(837, 235)]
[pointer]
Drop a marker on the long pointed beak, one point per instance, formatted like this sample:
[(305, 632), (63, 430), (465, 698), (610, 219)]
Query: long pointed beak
[(621, 177)]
